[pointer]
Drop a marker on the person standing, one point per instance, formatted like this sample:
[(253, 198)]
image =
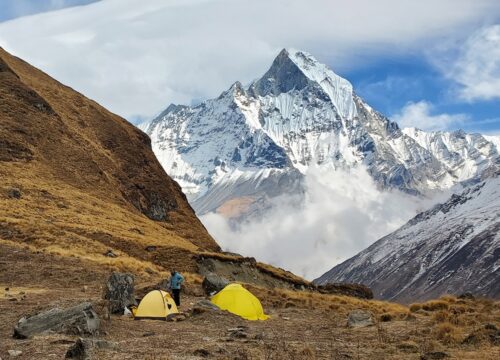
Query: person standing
[(176, 281)]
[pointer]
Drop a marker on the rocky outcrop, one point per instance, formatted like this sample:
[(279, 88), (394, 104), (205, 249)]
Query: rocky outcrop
[(119, 292), (213, 283), (80, 319), (83, 349), (354, 290)]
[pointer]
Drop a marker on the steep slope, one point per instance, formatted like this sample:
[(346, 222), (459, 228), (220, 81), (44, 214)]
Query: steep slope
[(258, 142), (451, 248), (78, 180)]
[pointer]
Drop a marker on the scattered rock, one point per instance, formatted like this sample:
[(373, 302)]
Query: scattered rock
[(85, 288), (82, 349), (359, 318), (176, 317), (213, 283), (7, 289), (150, 248), (490, 327), (408, 347), (238, 332), (201, 352), (467, 296), (14, 193), (435, 355), (77, 320), (207, 304), (119, 292), (14, 353), (110, 253), (149, 333)]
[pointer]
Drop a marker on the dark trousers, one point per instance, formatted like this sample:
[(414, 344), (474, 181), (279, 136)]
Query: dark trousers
[(176, 294)]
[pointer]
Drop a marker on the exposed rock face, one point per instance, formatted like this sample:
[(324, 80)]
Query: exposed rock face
[(80, 319), (354, 290), (213, 283), (359, 318), (119, 292), (453, 248)]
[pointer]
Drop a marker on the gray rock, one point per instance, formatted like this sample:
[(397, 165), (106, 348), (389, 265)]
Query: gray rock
[(213, 283), (206, 304), (14, 353), (176, 317), (83, 349), (80, 320), (119, 292), (359, 318)]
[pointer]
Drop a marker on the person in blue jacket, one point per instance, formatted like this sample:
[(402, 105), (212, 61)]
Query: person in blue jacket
[(176, 281)]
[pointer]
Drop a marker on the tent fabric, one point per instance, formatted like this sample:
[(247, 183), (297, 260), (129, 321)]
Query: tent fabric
[(239, 301), (157, 304)]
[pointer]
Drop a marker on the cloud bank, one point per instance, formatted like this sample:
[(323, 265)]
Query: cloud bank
[(475, 65), (419, 115), (343, 213), (135, 57)]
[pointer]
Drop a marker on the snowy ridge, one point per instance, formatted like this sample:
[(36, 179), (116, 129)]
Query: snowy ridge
[(298, 114), (451, 248)]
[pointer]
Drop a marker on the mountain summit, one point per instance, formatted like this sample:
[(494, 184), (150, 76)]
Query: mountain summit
[(253, 143)]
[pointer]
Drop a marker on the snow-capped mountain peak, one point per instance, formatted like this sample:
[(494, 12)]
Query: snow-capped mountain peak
[(259, 141)]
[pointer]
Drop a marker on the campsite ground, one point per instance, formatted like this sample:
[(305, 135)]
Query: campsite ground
[(302, 325)]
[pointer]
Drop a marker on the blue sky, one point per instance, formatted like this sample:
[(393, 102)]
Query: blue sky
[(434, 64), (11, 9)]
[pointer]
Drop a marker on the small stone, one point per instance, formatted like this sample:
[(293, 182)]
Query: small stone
[(408, 347), (85, 288), (359, 318), (151, 248), (7, 289), (14, 353), (435, 355), (110, 253), (176, 317), (149, 333), (285, 318), (490, 327), (201, 353), (22, 293), (14, 193)]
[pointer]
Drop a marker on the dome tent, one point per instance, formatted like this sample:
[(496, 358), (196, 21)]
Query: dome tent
[(239, 301), (157, 304)]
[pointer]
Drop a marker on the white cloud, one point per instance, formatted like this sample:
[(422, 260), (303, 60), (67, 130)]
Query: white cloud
[(137, 56), (344, 212), (475, 66), (419, 115)]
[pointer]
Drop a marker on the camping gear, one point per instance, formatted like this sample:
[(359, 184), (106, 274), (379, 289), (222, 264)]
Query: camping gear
[(239, 301), (157, 304)]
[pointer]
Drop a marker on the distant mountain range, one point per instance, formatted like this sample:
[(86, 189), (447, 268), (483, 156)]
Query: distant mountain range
[(256, 142), (452, 248)]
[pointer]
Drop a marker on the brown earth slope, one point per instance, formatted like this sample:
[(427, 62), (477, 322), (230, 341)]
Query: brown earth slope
[(78, 180)]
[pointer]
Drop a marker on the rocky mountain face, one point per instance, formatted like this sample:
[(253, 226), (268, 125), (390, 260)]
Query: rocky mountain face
[(78, 180), (452, 248), (256, 142)]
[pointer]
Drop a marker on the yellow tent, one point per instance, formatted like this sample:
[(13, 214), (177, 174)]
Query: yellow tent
[(239, 301), (157, 304)]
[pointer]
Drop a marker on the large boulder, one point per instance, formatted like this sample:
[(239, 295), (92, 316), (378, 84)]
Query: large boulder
[(213, 283), (360, 318), (78, 320), (119, 292)]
